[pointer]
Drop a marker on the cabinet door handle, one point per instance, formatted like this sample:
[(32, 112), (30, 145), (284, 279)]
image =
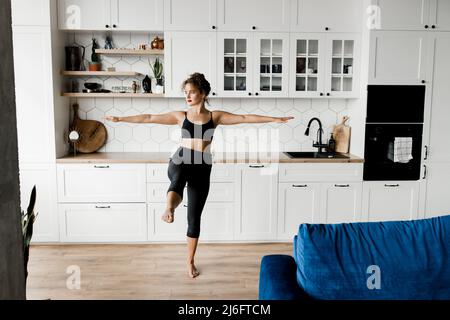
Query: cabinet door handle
[(426, 153), (107, 26), (424, 172), (426, 26), (114, 26), (253, 27), (433, 26), (258, 166), (185, 205), (328, 93), (299, 185), (103, 207), (101, 166), (256, 93), (249, 93), (392, 185), (342, 185)]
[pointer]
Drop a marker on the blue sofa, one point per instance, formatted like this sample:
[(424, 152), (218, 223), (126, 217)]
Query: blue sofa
[(395, 260)]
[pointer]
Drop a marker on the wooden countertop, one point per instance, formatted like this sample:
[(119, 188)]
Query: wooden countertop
[(163, 157)]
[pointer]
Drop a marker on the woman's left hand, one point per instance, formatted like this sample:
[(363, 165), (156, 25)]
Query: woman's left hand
[(282, 119)]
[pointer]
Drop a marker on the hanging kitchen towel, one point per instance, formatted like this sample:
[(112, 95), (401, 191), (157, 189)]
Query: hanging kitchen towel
[(400, 149)]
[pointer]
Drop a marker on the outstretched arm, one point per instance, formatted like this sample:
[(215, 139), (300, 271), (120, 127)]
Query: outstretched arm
[(227, 118), (168, 118)]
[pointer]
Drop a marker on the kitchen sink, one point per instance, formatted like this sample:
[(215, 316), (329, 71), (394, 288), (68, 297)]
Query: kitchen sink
[(312, 154)]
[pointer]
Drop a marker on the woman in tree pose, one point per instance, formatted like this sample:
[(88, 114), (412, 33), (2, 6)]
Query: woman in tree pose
[(192, 162)]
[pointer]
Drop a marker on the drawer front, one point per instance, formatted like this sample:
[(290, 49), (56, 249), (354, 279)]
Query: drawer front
[(322, 172), (218, 191), (103, 222), (216, 222), (101, 183), (219, 173)]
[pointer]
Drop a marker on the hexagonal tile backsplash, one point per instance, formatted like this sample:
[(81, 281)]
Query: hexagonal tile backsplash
[(139, 137)]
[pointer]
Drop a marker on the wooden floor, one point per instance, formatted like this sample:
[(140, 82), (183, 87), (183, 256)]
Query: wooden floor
[(147, 271)]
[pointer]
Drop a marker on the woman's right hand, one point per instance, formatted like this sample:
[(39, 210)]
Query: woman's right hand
[(112, 118)]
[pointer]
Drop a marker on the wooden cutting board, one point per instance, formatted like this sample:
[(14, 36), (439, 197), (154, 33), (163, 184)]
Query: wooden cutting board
[(341, 133), (92, 133)]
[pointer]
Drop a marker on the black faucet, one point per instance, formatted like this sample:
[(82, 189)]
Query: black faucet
[(319, 143)]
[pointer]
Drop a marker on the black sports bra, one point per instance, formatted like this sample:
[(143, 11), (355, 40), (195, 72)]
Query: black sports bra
[(203, 131)]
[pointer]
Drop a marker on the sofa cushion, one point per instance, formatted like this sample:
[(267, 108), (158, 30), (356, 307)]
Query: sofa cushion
[(375, 260)]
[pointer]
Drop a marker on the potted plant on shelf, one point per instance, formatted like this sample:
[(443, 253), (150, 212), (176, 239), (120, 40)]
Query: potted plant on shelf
[(95, 64), (157, 68)]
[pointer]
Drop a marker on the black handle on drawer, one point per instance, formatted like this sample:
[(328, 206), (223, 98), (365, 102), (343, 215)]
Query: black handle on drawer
[(392, 185), (101, 166), (259, 166), (185, 205), (299, 185), (426, 153), (424, 171), (103, 207), (342, 185)]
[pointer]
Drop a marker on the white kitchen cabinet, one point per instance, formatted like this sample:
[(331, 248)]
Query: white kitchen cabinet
[(398, 57), (320, 172), (440, 15), (137, 15), (30, 13), (257, 15), (186, 53), (430, 15), (34, 96), (439, 129), (120, 15), (84, 15), (103, 222), (390, 200), (182, 15), (108, 182), (324, 65), (326, 15), (403, 14), (216, 222), (43, 176), (437, 160), (159, 230), (341, 202), (257, 217), (253, 65), (297, 203), (437, 201)]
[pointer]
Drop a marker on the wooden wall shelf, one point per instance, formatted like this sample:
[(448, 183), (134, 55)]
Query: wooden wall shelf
[(130, 51), (111, 95), (101, 73)]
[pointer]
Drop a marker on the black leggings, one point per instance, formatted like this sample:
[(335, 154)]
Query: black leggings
[(197, 176)]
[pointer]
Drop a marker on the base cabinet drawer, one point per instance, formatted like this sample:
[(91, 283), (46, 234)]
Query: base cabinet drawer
[(91, 183), (321, 172), (220, 172), (390, 200), (218, 191), (216, 222), (103, 222)]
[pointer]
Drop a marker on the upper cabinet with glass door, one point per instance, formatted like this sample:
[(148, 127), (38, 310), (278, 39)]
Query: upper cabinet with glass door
[(342, 76), (271, 71), (235, 64), (307, 69), (324, 65), (253, 64)]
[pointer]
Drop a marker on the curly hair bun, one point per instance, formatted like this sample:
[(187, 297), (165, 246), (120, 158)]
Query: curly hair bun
[(199, 81)]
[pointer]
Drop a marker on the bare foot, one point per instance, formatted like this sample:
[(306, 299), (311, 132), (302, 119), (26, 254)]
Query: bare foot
[(192, 270), (168, 216)]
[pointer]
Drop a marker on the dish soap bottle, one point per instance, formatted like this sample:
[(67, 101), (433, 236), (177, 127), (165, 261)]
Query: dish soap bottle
[(332, 144)]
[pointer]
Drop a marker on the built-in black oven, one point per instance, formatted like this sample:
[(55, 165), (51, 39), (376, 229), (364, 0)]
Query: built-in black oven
[(394, 127)]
